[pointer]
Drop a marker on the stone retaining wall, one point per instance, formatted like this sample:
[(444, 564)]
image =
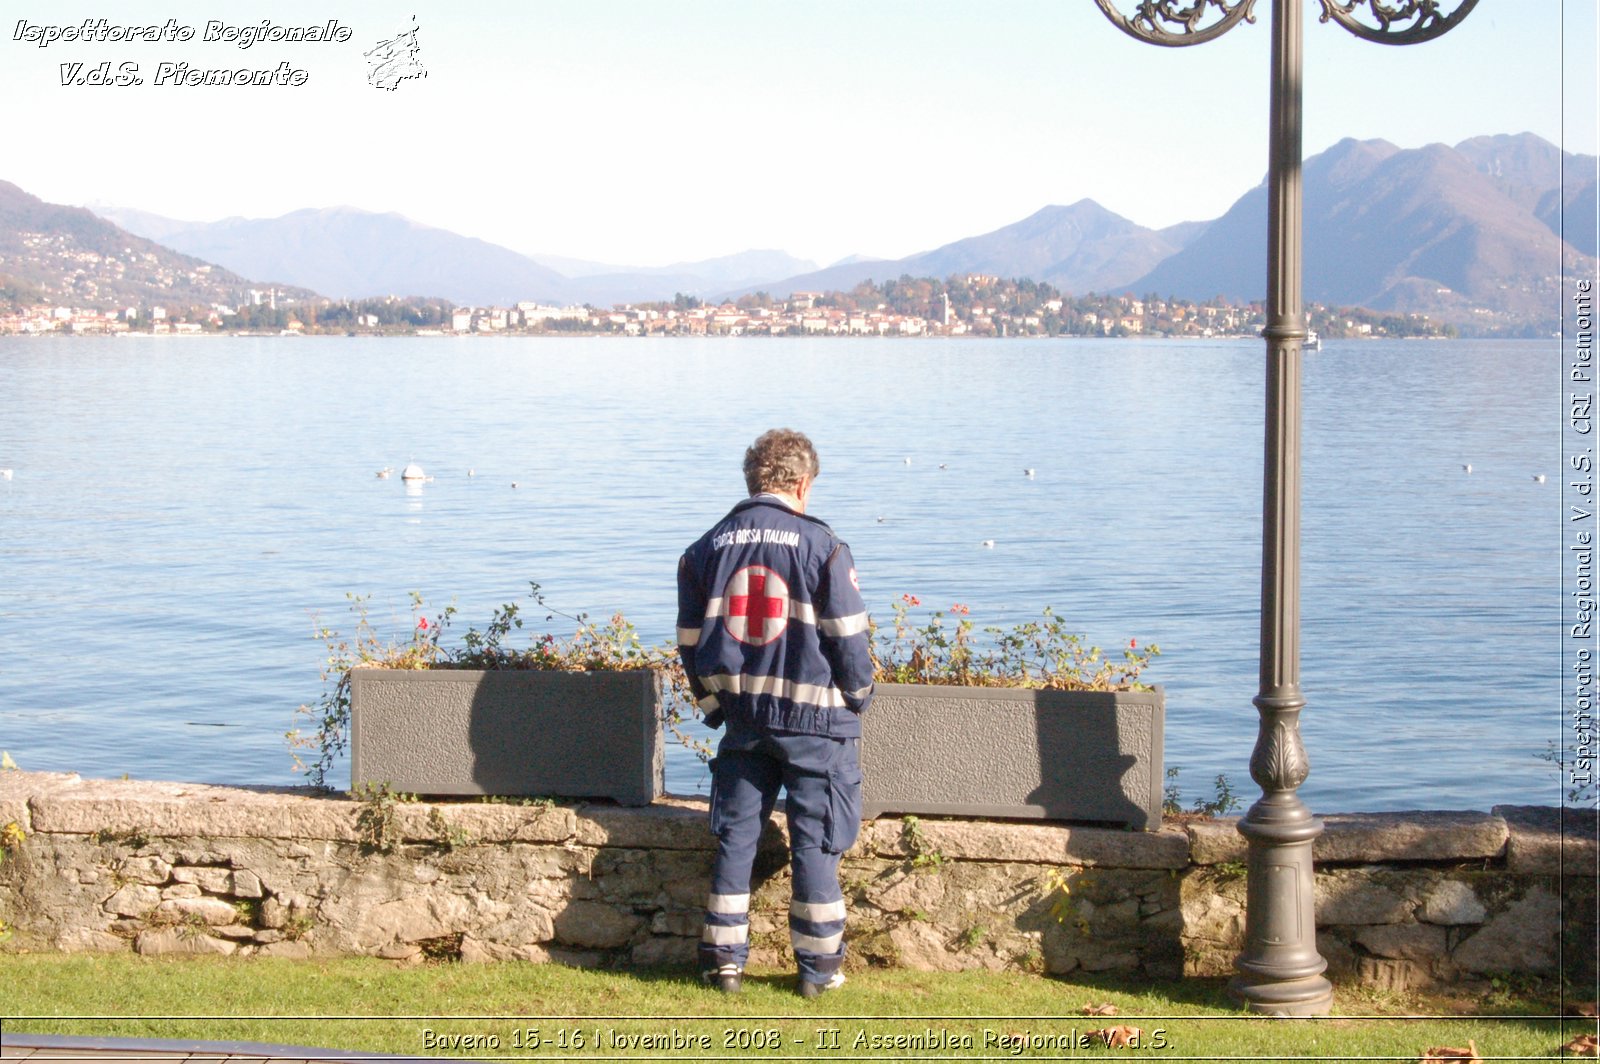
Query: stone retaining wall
[(1402, 899)]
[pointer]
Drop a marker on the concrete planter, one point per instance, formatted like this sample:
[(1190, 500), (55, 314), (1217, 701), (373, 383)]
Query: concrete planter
[(1001, 752), (508, 732)]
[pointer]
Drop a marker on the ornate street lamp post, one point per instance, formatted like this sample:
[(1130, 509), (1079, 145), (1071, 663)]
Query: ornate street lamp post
[(1280, 970)]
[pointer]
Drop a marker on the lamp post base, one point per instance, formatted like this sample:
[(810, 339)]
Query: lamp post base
[(1267, 996), (1280, 970)]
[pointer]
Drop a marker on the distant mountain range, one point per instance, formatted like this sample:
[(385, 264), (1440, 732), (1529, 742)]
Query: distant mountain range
[(345, 253), (1437, 229)]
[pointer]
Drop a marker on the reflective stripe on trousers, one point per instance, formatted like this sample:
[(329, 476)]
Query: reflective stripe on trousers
[(746, 776)]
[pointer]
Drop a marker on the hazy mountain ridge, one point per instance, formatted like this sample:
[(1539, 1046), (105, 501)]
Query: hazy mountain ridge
[(69, 255), (1436, 229), (343, 252), (691, 278), (1078, 248), (704, 279), (1523, 166)]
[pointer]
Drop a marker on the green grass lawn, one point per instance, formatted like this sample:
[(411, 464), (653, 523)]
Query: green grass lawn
[(547, 1012)]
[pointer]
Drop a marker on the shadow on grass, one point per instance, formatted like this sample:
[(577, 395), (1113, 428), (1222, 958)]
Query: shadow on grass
[(1195, 996), (1209, 994), (1134, 996)]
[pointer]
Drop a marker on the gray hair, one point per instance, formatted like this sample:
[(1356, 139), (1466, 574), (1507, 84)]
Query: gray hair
[(778, 461)]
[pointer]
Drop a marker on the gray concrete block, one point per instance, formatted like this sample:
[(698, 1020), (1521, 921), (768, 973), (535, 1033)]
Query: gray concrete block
[(1004, 752), (511, 732)]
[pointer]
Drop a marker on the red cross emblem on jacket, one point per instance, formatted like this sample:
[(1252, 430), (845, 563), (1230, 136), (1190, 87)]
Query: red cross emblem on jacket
[(756, 605)]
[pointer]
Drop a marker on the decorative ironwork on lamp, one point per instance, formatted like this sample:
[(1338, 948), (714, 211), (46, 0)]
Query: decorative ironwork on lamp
[(1280, 970), (1424, 17)]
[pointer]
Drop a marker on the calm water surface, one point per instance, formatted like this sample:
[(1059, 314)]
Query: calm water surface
[(183, 512)]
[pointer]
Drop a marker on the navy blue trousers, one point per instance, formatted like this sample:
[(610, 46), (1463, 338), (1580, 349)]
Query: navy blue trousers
[(822, 778)]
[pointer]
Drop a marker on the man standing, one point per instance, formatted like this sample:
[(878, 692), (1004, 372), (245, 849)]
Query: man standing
[(774, 640)]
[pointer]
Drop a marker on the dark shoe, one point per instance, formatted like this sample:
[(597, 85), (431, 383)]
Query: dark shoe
[(729, 978), (809, 990)]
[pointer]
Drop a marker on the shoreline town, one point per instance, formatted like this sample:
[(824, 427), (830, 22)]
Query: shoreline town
[(971, 306)]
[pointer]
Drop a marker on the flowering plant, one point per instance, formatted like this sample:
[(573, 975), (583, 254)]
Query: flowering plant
[(1037, 654), (594, 647)]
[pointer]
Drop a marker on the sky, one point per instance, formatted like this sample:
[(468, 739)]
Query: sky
[(645, 132)]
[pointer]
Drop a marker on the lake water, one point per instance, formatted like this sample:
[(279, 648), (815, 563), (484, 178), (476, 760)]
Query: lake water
[(183, 512)]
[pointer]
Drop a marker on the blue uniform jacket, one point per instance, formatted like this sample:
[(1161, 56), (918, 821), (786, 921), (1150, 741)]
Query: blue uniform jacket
[(771, 626)]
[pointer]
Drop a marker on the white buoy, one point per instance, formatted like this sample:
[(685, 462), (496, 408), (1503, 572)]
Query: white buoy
[(5, 474), (881, 520), (1467, 468), (989, 543), (908, 461), (1028, 473), (472, 472), (1538, 477), (383, 474), (413, 472)]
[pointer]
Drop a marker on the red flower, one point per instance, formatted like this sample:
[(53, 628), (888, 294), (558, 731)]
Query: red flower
[(959, 608), (422, 624), (1133, 644)]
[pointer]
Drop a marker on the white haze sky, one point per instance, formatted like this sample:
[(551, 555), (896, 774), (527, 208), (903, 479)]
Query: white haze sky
[(644, 132)]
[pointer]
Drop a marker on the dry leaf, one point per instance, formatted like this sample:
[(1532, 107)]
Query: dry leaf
[(1585, 1045), (1120, 1037), (1469, 1054), (1107, 1009)]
